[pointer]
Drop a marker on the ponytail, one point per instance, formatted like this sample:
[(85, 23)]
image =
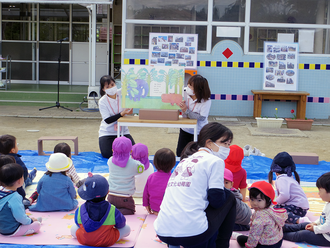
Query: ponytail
[(189, 149), (270, 177), (297, 176)]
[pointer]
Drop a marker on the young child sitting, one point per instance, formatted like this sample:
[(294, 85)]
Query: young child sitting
[(122, 169), (140, 153), (234, 164), (66, 149), (97, 222), (243, 211), (318, 232), (290, 195), (164, 161), (55, 188), (13, 219), (9, 146), (266, 222), (8, 159), (72, 173)]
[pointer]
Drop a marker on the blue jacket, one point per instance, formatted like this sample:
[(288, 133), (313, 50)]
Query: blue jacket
[(93, 214), (12, 212), (21, 163), (56, 193)]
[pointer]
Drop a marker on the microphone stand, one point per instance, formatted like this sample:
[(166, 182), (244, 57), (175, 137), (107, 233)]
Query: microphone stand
[(57, 104)]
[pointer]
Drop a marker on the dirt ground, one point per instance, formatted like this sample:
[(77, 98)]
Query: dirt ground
[(28, 130)]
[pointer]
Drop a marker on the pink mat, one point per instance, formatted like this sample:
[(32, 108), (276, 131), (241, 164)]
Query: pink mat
[(147, 237), (55, 229)]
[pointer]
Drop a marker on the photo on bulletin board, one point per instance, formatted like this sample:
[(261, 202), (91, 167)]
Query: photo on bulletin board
[(280, 66), (152, 87), (173, 50)]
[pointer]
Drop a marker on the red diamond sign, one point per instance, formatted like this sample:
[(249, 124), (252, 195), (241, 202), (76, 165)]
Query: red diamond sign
[(227, 53)]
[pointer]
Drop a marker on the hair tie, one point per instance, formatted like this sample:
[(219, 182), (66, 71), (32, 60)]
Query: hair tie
[(287, 170), (276, 168)]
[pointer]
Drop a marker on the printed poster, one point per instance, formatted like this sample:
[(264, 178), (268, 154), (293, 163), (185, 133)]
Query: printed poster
[(173, 50), (280, 66), (152, 87)]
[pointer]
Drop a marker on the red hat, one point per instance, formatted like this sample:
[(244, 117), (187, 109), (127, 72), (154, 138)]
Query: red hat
[(266, 188), (234, 160)]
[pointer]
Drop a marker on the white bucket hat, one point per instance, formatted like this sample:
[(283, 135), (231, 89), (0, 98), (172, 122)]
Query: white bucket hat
[(58, 162)]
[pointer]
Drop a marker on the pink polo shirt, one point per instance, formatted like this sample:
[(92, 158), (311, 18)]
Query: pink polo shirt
[(155, 189)]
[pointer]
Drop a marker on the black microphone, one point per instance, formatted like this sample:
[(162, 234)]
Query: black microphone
[(67, 38)]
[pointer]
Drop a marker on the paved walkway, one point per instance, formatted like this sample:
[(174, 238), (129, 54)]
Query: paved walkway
[(58, 113)]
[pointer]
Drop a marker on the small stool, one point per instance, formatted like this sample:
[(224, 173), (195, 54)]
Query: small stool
[(304, 158), (41, 139)]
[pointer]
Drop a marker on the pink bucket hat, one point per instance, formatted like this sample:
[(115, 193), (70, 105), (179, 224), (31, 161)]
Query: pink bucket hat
[(140, 153), (228, 175), (121, 147)]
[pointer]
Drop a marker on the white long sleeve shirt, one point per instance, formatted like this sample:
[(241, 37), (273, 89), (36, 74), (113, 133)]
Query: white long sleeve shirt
[(323, 223)]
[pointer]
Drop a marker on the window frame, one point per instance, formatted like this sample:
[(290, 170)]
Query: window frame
[(246, 25)]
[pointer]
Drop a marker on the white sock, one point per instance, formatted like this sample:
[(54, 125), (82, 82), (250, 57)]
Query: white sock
[(304, 219), (234, 235)]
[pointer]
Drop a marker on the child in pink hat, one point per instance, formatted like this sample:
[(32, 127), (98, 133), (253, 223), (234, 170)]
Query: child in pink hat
[(122, 170), (243, 211), (140, 153)]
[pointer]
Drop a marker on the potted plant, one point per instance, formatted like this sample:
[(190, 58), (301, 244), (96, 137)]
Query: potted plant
[(301, 124), (265, 122)]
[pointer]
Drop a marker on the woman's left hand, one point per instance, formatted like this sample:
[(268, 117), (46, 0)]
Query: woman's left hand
[(183, 106), (126, 112)]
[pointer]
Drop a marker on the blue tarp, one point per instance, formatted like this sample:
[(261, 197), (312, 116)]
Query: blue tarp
[(257, 167)]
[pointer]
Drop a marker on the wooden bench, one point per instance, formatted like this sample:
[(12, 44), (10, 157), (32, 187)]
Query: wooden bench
[(299, 96), (304, 158), (41, 139)]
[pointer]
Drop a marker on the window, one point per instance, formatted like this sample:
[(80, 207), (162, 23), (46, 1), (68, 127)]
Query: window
[(229, 11), (137, 36), (19, 31), (54, 12), (17, 11), (53, 31), (188, 10), (289, 11), (216, 39)]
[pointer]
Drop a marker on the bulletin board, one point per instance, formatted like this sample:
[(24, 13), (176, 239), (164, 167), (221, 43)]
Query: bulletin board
[(280, 66), (173, 50), (152, 87)]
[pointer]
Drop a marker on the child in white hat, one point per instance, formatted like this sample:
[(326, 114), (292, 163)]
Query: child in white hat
[(55, 188)]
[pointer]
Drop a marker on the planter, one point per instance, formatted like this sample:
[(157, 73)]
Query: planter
[(269, 122), (299, 123)]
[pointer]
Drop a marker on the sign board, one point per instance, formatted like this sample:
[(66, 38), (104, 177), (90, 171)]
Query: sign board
[(152, 87), (173, 50), (280, 66)]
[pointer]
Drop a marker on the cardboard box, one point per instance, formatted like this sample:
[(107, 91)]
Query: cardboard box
[(304, 158), (159, 114)]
